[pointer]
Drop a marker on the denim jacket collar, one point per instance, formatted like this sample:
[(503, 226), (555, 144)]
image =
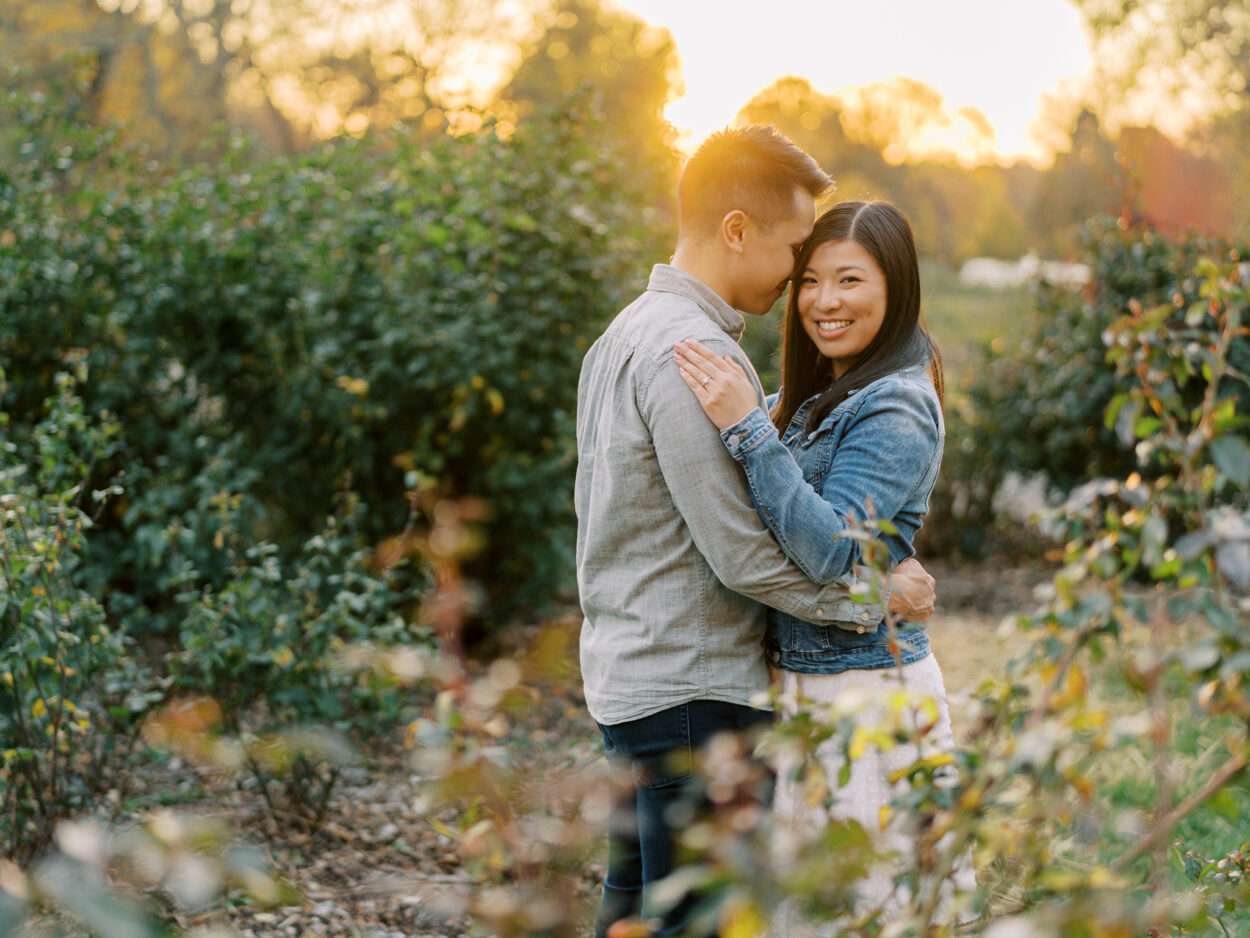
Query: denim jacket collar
[(911, 372), (665, 278)]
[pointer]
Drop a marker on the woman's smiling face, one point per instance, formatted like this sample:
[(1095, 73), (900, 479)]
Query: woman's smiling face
[(842, 299)]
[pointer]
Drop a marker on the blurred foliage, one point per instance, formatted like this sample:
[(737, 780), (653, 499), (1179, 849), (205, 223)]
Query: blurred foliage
[(1086, 180), (957, 211), (1040, 400), (176, 73), (1187, 61), (72, 689), (1180, 41), (76, 689), (960, 211), (275, 375), (631, 71), (283, 72), (272, 332), (95, 874)]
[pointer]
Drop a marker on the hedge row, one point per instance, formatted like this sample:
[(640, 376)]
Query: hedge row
[(371, 317)]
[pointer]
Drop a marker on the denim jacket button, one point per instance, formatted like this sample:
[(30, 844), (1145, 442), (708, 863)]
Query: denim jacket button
[(736, 439), (860, 629), (820, 612)]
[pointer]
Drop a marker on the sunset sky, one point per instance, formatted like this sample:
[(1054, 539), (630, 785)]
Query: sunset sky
[(997, 56)]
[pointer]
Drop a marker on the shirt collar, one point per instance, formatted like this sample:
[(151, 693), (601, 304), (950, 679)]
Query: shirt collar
[(665, 278)]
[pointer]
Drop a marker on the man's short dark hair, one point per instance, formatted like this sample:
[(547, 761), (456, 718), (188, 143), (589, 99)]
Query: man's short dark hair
[(754, 168)]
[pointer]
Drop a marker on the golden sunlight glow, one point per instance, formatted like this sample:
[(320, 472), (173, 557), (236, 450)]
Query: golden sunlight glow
[(986, 58)]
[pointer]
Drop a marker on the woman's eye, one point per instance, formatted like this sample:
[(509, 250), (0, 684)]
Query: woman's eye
[(807, 282), (850, 280)]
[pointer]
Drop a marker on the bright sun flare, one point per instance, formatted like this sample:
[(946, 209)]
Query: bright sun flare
[(998, 58)]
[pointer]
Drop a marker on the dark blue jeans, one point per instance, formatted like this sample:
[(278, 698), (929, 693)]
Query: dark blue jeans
[(666, 796)]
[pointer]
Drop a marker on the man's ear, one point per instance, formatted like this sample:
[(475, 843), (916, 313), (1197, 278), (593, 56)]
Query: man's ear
[(733, 230)]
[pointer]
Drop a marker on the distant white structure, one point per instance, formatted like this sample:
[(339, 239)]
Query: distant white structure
[(999, 275)]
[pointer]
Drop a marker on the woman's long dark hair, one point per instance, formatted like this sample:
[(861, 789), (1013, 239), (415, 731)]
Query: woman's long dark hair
[(881, 230)]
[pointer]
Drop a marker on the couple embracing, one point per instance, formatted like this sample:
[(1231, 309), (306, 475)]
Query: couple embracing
[(709, 515)]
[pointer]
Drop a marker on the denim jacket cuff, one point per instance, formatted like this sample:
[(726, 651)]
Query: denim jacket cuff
[(747, 433)]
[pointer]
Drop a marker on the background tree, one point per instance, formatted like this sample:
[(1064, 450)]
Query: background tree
[(1183, 65), (125, 69), (814, 121), (904, 119), (957, 211), (289, 72), (1085, 180), (630, 67), (1184, 48)]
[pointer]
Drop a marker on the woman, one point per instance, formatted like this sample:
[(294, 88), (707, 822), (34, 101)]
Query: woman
[(856, 433)]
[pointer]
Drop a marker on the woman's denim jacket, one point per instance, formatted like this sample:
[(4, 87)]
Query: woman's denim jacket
[(882, 446)]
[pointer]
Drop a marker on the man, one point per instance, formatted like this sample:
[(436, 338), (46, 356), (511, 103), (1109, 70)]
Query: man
[(673, 563)]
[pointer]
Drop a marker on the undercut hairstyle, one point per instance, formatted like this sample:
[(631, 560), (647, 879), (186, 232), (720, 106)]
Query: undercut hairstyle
[(755, 169)]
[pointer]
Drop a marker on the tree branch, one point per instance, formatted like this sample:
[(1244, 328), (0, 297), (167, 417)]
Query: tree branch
[(1168, 822)]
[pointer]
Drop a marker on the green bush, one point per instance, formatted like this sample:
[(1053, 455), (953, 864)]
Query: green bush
[(1045, 401), (71, 689), (1041, 403), (273, 358), (302, 326), (272, 635)]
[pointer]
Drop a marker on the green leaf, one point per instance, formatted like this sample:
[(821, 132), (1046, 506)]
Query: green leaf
[(1236, 664), (1113, 410), (1232, 456), (1200, 657), (1225, 415), (1233, 559), (1226, 804)]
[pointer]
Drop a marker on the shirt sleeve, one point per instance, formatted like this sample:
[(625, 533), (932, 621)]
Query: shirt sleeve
[(710, 493), (884, 455)]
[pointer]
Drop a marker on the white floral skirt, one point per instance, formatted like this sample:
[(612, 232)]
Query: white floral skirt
[(873, 697)]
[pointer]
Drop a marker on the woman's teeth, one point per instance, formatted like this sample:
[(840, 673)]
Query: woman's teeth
[(832, 326)]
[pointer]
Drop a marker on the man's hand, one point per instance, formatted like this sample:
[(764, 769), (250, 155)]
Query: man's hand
[(911, 591)]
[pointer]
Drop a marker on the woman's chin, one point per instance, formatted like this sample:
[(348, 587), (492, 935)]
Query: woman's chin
[(830, 349)]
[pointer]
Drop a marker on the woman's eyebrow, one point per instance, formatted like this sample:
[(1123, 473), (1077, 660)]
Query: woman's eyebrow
[(849, 267)]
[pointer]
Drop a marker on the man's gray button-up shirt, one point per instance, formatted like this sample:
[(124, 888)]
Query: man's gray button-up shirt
[(673, 562)]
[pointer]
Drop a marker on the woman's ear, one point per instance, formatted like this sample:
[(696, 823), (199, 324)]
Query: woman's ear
[(733, 230)]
